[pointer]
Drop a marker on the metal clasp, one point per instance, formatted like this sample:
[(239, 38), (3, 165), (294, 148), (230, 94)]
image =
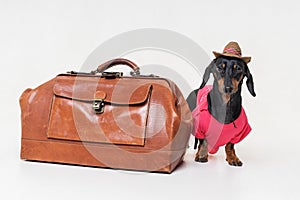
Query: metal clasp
[(112, 75), (98, 106)]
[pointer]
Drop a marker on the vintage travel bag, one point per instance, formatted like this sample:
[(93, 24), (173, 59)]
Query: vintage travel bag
[(105, 119)]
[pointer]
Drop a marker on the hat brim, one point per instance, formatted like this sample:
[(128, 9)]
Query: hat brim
[(246, 59)]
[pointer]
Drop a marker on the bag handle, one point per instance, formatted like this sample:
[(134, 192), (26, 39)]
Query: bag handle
[(118, 61)]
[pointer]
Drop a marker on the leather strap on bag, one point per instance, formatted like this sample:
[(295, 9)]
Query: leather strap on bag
[(118, 61)]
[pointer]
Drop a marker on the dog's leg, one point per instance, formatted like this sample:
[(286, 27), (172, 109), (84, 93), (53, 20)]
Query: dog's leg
[(231, 157), (202, 153)]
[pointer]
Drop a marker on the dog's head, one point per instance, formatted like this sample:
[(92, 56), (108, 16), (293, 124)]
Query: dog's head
[(229, 73)]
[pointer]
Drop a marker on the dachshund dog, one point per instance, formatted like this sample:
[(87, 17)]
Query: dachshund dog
[(219, 118)]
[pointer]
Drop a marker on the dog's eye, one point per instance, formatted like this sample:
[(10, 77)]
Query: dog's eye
[(220, 69), (237, 68)]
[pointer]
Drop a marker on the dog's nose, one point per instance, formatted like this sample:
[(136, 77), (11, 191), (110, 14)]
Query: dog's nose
[(228, 89)]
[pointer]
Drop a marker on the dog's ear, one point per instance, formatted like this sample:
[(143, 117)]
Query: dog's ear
[(249, 82), (207, 72)]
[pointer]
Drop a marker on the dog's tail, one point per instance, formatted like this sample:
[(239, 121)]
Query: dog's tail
[(196, 143)]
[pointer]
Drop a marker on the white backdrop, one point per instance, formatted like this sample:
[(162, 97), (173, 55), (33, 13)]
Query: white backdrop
[(39, 39)]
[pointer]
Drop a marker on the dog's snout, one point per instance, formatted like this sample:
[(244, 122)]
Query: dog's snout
[(228, 89)]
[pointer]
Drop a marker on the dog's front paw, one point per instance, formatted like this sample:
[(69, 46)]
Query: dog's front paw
[(201, 159), (202, 153), (231, 157), (234, 161)]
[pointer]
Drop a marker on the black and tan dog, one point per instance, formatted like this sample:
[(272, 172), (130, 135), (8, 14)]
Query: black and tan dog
[(219, 118)]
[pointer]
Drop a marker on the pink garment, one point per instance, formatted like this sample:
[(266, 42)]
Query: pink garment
[(216, 133)]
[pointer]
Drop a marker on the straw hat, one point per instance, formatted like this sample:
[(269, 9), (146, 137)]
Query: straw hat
[(232, 49)]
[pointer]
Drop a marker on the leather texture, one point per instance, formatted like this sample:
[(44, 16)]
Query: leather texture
[(145, 124)]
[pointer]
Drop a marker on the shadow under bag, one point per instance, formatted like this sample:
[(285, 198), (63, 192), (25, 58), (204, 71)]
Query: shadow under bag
[(105, 119)]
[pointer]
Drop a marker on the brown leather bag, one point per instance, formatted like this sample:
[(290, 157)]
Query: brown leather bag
[(105, 119)]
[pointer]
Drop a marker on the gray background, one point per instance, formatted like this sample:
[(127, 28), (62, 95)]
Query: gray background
[(39, 39)]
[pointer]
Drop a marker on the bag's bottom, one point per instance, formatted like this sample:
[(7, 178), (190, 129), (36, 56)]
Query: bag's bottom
[(99, 155)]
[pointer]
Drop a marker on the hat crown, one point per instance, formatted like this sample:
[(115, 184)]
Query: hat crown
[(233, 48)]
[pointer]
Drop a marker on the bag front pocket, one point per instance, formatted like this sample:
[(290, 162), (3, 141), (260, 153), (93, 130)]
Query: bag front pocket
[(99, 110)]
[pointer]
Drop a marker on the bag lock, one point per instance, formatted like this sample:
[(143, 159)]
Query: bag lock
[(98, 103)]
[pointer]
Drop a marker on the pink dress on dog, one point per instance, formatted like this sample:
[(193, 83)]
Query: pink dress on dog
[(216, 133)]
